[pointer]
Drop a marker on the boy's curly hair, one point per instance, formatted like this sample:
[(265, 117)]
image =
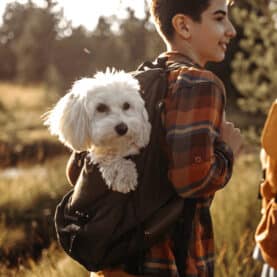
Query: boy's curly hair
[(164, 10)]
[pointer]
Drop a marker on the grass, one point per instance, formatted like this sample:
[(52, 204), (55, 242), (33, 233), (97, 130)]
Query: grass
[(53, 263), (13, 96), (23, 137), (27, 240), (236, 211), (25, 186), (35, 191), (21, 109), (27, 204)]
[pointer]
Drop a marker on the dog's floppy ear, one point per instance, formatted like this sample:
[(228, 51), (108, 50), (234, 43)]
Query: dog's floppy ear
[(68, 120)]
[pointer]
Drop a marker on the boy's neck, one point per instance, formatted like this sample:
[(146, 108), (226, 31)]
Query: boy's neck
[(186, 50)]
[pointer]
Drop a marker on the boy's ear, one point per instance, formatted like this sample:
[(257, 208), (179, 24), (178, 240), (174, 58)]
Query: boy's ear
[(180, 23)]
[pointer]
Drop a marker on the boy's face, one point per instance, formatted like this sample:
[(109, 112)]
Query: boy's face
[(210, 37)]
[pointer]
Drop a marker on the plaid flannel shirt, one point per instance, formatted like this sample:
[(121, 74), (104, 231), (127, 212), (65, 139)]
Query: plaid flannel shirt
[(200, 163)]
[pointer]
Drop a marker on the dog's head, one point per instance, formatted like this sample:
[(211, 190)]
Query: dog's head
[(105, 112)]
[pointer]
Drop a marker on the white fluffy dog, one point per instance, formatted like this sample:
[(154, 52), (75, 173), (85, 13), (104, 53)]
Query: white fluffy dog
[(106, 116)]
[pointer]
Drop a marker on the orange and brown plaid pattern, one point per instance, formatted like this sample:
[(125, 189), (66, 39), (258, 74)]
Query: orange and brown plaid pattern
[(200, 163)]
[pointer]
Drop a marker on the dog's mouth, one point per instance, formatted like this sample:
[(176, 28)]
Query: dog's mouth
[(135, 148), (122, 147)]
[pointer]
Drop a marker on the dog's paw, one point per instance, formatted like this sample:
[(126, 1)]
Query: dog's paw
[(121, 176)]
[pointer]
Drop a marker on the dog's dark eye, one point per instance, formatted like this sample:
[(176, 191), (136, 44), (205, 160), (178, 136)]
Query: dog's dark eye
[(126, 106), (102, 108)]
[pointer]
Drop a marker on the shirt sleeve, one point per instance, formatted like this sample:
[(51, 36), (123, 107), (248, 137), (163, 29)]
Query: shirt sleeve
[(199, 162)]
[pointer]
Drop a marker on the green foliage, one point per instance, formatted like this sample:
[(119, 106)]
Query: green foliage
[(70, 60), (34, 46), (10, 31), (8, 63), (27, 36), (39, 45), (255, 65), (138, 42), (13, 18)]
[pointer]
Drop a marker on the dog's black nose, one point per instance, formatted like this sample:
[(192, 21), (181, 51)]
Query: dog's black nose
[(121, 129)]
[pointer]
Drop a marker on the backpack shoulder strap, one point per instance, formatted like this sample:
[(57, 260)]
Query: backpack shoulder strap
[(161, 63), (183, 229)]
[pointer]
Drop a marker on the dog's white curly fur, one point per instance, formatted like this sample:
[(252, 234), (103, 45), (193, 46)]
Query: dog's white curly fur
[(88, 116)]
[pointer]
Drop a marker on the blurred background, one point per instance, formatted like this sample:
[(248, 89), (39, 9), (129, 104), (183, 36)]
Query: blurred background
[(46, 45)]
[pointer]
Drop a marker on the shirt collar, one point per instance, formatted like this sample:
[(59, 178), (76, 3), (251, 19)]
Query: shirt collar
[(175, 56)]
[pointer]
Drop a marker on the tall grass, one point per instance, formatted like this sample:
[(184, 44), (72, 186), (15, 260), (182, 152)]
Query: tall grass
[(21, 187), (28, 197), (14, 96), (53, 263), (236, 211), (21, 108)]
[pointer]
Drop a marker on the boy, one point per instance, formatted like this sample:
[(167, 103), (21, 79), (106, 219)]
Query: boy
[(200, 143)]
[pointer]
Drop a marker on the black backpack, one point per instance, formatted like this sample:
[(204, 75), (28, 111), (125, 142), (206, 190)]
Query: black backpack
[(105, 229)]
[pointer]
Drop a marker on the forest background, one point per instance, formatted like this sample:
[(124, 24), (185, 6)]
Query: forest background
[(42, 54)]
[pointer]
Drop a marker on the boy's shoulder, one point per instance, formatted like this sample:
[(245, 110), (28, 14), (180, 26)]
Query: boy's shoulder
[(188, 72), (196, 76)]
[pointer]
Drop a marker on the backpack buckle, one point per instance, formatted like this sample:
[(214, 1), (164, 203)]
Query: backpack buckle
[(161, 61)]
